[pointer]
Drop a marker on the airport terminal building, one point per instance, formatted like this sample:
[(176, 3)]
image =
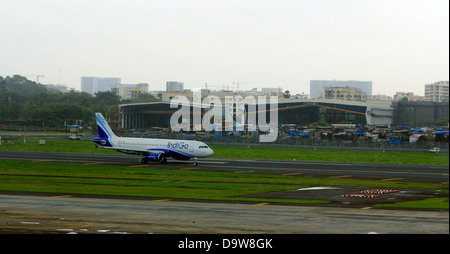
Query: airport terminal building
[(299, 112)]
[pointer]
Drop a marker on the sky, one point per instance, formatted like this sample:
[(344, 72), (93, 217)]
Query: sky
[(399, 45)]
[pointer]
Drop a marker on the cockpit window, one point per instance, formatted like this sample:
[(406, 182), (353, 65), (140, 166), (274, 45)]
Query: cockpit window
[(203, 147)]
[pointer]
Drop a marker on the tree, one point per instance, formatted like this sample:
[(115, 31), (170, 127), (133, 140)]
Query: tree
[(321, 122), (287, 94), (143, 97)]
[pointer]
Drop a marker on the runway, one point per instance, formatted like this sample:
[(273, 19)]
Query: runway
[(365, 171), (65, 214), (68, 214)]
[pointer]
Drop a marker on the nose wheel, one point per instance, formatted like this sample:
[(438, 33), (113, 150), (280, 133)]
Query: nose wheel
[(195, 161)]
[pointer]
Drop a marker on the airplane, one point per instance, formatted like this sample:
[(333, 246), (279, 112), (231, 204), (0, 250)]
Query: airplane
[(156, 150), (229, 116)]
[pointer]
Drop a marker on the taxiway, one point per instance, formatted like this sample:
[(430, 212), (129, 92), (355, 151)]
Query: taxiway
[(366, 171), (65, 214), (26, 213)]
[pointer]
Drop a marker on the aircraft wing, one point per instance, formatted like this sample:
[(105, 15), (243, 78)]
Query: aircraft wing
[(136, 151)]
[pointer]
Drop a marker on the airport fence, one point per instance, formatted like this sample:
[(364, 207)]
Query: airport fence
[(310, 143)]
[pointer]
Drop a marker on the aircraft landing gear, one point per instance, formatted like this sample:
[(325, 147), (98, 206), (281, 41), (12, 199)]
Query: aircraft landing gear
[(195, 162), (144, 161), (164, 160)]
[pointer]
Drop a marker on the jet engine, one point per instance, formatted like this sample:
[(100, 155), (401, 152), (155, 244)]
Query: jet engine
[(156, 157)]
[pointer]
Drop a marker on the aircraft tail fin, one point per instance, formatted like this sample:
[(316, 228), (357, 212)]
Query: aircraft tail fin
[(229, 117), (104, 131)]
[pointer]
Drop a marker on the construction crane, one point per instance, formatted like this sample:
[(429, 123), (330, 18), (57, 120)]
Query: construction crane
[(34, 75), (237, 83), (226, 87), (37, 78)]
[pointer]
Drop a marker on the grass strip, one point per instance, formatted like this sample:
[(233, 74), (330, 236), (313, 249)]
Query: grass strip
[(116, 181), (244, 152), (166, 183), (301, 154), (21, 168), (429, 203)]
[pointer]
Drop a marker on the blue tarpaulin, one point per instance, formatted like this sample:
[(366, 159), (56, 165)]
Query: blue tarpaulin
[(395, 141)]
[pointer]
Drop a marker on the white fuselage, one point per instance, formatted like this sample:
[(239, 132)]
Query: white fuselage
[(169, 147)]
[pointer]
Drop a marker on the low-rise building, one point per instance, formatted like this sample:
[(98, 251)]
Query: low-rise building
[(345, 93), (129, 91), (407, 96)]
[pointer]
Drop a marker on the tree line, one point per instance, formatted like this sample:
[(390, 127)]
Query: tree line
[(25, 102)]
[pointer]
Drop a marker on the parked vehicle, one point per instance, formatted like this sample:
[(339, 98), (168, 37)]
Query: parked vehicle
[(434, 150)]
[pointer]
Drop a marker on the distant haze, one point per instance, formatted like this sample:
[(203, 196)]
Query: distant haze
[(399, 45)]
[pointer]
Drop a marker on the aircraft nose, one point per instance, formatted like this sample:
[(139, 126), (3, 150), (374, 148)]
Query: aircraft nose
[(210, 152)]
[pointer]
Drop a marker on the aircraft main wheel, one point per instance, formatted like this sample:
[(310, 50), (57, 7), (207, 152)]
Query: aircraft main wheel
[(144, 161)]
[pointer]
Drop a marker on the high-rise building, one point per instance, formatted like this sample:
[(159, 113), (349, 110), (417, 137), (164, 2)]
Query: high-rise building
[(317, 87), (174, 86), (93, 85), (437, 91)]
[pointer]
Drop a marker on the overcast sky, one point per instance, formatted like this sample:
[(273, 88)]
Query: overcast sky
[(399, 45)]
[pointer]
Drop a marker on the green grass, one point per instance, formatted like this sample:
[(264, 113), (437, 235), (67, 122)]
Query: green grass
[(244, 152), (147, 182), (31, 132), (139, 182), (301, 154), (53, 145), (429, 203), (60, 178)]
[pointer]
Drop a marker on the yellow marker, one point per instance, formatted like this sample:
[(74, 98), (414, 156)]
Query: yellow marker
[(392, 179), (93, 163), (292, 174), (161, 200), (340, 176), (249, 171)]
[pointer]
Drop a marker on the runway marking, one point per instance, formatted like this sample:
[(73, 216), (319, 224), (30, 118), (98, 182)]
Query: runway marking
[(215, 162), (84, 223), (444, 183), (392, 179), (367, 208), (249, 171), (65, 196), (292, 174), (93, 163), (30, 223), (340, 176), (41, 160), (262, 204), (161, 200), (138, 166)]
